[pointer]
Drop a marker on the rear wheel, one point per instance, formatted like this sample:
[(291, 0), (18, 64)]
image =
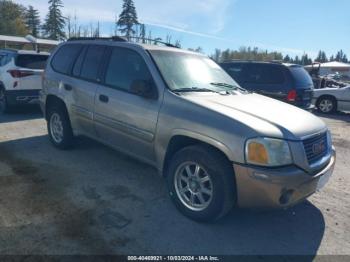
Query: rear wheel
[(4, 108), (201, 183), (327, 105), (59, 127)]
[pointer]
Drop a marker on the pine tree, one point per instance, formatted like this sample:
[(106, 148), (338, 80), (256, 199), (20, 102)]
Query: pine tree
[(128, 19), (33, 21), (55, 21)]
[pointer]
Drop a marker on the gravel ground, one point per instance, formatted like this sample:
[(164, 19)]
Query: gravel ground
[(93, 200)]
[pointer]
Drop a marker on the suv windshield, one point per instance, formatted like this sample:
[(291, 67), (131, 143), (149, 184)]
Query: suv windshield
[(301, 77), (32, 61), (185, 71)]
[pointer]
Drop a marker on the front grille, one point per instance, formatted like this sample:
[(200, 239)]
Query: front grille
[(316, 147)]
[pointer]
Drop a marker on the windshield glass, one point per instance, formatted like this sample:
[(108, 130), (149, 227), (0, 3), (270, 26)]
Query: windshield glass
[(183, 71)]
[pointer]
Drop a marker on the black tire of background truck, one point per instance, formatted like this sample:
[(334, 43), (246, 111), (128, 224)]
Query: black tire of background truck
[(330, 98)]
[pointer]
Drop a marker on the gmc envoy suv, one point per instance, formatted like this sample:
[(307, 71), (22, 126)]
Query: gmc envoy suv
[(216, 144)]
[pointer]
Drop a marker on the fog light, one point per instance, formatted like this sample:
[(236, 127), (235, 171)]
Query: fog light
[(286, 196)]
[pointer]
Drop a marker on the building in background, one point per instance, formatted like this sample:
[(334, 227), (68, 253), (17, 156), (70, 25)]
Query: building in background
[(27, 43), (332, 68)]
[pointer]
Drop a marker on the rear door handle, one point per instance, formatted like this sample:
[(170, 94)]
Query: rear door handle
[(103, 98), (68, 87)]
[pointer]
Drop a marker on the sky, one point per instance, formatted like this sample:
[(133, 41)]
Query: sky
[(288, 26)]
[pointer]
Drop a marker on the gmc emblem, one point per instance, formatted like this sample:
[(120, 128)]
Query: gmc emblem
[(318, 148)]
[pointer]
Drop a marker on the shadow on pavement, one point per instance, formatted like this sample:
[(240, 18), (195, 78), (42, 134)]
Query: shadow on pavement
[(95, 200), (341, 116), (21, 114)]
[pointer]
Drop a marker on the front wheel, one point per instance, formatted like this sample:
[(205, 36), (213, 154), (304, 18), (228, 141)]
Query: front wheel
[(59, 127), (201, 183)]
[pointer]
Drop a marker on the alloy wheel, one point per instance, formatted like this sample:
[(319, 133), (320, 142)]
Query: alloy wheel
[(56, 128), (193, 186), (326, 105)]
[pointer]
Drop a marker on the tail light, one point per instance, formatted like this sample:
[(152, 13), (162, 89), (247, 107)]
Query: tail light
[(292, 96), (20, 73)]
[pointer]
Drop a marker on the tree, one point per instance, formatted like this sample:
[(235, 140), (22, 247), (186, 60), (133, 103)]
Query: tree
[(128, 19), (55, 21), (12, 20), (341, 57), (287, 59), (33, 21), (321, 57), (305, 60)]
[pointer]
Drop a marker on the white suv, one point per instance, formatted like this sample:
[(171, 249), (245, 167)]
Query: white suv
[(20, 77)]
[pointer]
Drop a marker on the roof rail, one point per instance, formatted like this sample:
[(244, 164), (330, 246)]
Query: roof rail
[(113, 38), (122, 39), (153, 40)]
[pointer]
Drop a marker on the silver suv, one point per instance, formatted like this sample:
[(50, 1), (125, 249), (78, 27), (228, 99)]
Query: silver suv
[(217, 145)]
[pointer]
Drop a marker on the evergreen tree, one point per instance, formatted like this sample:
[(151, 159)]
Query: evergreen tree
[(321, 57), (287, 59), (33, 21), (341, 57), (128, 19), (55, 21)]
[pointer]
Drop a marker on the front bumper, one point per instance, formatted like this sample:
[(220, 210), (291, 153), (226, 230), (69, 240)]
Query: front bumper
[(277, 188)]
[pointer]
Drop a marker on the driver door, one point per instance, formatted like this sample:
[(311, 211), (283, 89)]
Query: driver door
[(123, 119)]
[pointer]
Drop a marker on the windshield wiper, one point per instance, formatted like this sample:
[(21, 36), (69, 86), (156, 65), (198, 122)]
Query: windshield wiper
[(234, 87), (195, 89)]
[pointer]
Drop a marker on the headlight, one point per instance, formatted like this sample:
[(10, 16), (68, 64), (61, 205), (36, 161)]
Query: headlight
[(268, 152)]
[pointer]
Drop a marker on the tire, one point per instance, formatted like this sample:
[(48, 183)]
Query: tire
[(59, 127), (327, 104), (211, 164), (4, 107)]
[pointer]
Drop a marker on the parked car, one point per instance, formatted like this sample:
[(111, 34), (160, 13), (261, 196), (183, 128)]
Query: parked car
[(329, 100), (20, 77), (286, 82), (217, 145)]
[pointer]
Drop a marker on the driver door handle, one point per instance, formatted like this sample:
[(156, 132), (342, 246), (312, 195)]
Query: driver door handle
[(104, 98)]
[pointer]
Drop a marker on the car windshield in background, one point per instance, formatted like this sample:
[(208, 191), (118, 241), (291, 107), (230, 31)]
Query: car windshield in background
[(301, 76), (185, 71), (32, 61)]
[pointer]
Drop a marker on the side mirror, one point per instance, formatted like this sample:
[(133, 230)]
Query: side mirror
[(143, 88)]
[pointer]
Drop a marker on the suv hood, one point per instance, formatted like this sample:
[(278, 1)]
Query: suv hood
[(267, 116)]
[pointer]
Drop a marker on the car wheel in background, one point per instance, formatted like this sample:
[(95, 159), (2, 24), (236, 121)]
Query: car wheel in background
[(201, 183), (3, 101), (59, 127), (327, 104)]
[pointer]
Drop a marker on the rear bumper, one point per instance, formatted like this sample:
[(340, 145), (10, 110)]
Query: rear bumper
[(22, 97), (277, 188)]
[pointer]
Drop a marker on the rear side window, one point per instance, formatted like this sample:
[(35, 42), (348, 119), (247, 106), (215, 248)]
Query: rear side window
[(31, 61), (126, 66), (235, 70), (264, 74), (301, 77), (92, 62), (65, 57)]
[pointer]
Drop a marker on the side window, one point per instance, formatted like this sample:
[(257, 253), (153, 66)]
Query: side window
[(79, 62), (5, 59), (64, 58), (126, 66), (92, 62), (265, 74)]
